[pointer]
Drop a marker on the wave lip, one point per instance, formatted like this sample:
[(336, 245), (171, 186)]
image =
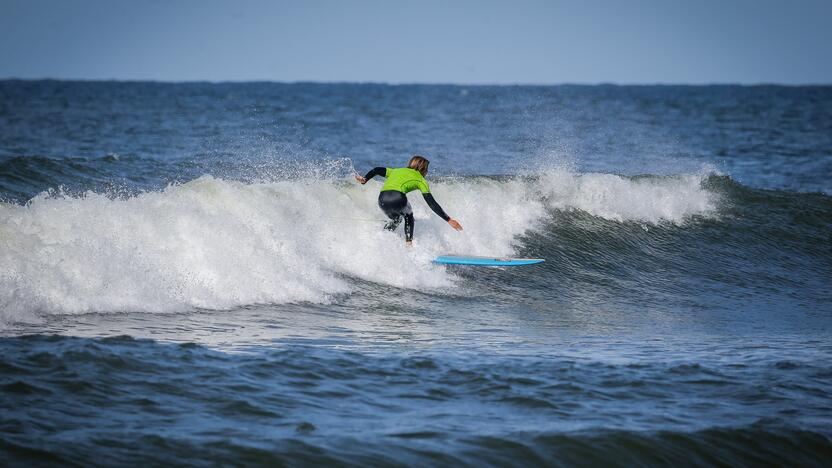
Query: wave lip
[(650, 199)]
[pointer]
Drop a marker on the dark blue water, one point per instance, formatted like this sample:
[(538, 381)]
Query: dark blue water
[(189, 274)]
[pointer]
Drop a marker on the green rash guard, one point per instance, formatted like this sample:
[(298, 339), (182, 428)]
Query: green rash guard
[(404, 180)]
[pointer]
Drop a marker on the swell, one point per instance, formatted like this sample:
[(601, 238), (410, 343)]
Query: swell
[(731, 447), (20, 175), (315, 404), (23, 177), (755, 243), (749, 445)]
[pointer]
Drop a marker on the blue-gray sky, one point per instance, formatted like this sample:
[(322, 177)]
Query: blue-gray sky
[(705, 41)]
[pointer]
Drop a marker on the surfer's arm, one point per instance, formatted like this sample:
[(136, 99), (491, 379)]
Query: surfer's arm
[(376, 171), (435, 206), (380, 171)]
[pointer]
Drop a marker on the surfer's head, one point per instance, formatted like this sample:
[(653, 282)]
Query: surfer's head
[(420, 163)]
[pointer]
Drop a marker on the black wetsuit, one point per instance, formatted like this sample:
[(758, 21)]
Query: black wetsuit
[(394, 204)]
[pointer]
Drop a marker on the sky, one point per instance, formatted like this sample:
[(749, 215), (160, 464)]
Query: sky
[(420, 41)]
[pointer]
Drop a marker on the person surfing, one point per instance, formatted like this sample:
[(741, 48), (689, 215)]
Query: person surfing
[(393, 199)]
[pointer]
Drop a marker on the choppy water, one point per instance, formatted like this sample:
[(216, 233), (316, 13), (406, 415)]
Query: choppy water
[(188, 274)]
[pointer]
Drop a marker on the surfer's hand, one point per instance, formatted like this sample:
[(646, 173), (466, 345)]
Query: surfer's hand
[(361, 180), (455, 224)]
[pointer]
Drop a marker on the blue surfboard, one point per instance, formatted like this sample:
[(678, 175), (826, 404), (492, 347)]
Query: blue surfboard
[(485, 261)]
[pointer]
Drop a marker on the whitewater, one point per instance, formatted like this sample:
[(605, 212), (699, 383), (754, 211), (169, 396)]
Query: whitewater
[(216, 244)]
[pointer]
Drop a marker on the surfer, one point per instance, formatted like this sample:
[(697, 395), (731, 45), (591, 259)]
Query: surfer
[(393, 201)]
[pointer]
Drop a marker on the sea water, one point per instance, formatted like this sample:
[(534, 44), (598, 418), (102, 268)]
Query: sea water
[(190, 274)]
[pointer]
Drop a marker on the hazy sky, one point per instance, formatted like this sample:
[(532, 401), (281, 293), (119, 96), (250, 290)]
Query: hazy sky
[(623, 41)]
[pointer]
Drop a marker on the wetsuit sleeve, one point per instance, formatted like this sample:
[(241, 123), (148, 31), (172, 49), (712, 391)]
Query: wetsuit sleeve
[(376, 171), (435, 206)]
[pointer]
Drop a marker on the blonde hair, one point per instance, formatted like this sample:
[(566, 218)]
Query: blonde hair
[(420, 163)]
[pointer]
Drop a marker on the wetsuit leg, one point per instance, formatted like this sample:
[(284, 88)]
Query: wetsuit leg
[(394, 204), (408, 226)]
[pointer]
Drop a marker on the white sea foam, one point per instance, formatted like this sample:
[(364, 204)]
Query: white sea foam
[(646, 199), (219, 244)]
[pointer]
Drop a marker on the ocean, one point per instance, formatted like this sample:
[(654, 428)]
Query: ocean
[(190, 275)]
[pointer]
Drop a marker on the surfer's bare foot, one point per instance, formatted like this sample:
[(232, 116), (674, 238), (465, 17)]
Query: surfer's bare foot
[(408, 244), (455, 224)]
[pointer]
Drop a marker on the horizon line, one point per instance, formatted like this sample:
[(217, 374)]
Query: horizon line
[(422, 83)]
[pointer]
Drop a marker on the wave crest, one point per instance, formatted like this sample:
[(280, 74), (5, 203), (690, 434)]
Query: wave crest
[(218, 244)]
